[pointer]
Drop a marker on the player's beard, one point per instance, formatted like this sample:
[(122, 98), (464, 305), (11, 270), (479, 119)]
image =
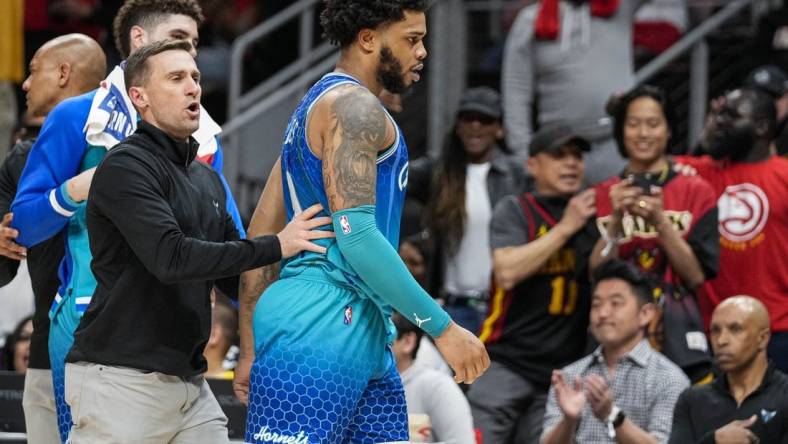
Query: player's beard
[(733, 143), (390, 72)]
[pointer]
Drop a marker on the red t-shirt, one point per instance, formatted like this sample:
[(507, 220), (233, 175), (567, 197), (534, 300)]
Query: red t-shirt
[(753, 223)]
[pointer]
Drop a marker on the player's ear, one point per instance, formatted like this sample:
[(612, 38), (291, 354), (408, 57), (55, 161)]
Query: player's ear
[(367, 40), (138, 97)]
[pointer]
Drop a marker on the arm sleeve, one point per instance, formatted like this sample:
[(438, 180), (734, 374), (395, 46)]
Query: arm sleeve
[(127, 192), (380, 267), (42, 207), (552, 414), (517, 78), (704, 240), (229, 285), (682, 429), (508, 226), (232, 209), (666, 395)]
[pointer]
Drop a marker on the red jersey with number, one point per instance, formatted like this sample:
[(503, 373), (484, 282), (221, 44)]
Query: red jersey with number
[(753, 224)]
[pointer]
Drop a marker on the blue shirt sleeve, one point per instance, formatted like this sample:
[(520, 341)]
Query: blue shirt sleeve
[(42, 207), (232, 209)]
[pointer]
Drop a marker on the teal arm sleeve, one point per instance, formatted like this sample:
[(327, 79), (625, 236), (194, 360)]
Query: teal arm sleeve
[(380, 267)]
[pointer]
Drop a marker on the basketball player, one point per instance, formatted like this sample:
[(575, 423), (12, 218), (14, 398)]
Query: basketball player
[(323, 370)]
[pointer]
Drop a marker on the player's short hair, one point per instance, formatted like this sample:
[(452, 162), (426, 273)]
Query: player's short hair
[(616, 268), (620, 109), (404, 326), (137, 69), (343, 19), (148, 14)]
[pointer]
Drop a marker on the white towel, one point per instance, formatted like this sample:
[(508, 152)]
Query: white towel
[(112, 118)]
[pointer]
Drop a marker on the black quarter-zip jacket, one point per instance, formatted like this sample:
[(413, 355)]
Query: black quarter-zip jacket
[(160, 236), (701, 410)]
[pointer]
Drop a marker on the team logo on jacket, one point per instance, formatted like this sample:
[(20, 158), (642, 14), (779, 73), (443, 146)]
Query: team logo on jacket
[(767, 416), (743, 212), (348, 315)]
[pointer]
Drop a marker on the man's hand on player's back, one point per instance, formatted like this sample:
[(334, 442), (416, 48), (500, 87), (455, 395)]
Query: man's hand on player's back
[(464, 353), (298, 234)]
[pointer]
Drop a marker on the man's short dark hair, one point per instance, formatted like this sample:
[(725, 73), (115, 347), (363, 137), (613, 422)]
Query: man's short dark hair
[(343, 19), (148, 14), (404, 326), (137, 69), (640, 284)]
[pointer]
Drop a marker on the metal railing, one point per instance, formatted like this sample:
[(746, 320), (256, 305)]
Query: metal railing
[(447, 65), (695, 42)]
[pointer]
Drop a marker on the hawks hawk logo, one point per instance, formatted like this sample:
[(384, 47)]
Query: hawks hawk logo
[(743, 211)]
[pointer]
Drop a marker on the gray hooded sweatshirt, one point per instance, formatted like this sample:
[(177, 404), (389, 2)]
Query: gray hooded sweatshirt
[(571, 78)]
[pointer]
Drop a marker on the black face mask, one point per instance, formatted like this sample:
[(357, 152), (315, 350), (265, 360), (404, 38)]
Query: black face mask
[(733, 138), (390, 72)]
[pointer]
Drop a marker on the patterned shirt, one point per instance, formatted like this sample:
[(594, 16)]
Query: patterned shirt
[(645, 387)]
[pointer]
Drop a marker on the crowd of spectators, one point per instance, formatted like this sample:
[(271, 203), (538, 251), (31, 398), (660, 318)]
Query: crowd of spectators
[(602, 274), (680, 235)]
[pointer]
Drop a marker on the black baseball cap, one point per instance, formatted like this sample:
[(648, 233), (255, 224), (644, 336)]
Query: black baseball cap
[(769, 79), (483, 100), (551, 138)]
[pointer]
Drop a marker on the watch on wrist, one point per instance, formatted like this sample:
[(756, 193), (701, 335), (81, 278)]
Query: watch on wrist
[(619, 419), (614, 421)]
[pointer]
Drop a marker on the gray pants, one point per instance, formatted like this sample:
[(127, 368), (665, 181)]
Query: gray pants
[(506, 408), (123, 405), (38, 401)]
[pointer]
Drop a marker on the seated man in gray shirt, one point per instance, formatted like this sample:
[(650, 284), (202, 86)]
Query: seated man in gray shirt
[(437, 409), (624, 391)]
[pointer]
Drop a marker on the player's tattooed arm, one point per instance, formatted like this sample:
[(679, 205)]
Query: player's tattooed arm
[(358, 130)]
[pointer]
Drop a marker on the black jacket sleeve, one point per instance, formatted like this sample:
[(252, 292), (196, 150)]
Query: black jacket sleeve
[(10, 171), (126, 190), (229, 285), (683, 432)]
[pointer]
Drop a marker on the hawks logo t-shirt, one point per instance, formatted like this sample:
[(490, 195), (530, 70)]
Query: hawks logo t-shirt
[(752, 200)]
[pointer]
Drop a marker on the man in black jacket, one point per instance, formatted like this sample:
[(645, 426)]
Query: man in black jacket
[(64, 67), (748, 401), (160, 236)]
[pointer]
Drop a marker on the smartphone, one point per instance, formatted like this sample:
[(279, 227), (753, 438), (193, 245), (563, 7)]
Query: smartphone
[(642, 181)]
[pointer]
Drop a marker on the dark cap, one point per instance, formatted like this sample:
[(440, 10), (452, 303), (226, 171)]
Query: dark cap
[(481, 99), (551, 138), (769, 79)]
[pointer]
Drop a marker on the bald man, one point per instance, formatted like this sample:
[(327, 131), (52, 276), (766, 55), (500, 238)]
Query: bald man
[(748, 401), (64, 67)]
